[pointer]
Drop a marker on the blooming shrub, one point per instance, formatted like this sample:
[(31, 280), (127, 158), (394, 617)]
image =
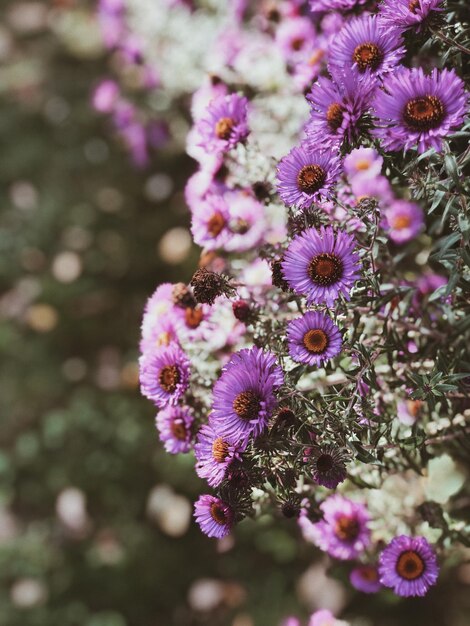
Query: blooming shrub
[(322, 344)]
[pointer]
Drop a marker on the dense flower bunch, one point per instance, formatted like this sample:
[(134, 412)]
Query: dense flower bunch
[(317, 363)]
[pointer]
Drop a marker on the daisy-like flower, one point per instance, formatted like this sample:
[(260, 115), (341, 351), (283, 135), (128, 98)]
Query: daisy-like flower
[(214, 516), (243, 398), (366, 47), (409, 566), (365, 578), (406, 14), (409, 411), (343, 532), (306, 174), (323, 617), (321, 264), (404, 220), (338, 107), (247, 221), (209, 224), (334, 5), (328, 466), (295, 36), (174, 425), (214, 454), (224, 124), (418, 109), (363, 162), (164, 374), (313, 338)]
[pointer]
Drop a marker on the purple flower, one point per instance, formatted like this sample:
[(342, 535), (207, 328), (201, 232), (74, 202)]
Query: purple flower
[(224, 124), (338, 107), (313, 338), (157, 326), (365, 578), (214, 516), (174, 425), (409, 566), (214, 454), (409, 411), (247, 221), (243, 398), (295, 36), (404, 220), (418, 109), (164, 374), (334, 5), (405, 14), (105, 96), (306, 174), (364, 46), (209, 222), (363, 162), (321, 264), (328, 466), (343, 532)]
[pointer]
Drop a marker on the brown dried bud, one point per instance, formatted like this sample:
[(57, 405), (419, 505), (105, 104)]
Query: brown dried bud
[(207, 286), (182, 296)]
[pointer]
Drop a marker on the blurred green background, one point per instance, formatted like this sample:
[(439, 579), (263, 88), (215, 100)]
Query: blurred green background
[(95, 519)]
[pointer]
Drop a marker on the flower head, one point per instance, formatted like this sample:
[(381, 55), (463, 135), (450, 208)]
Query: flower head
[(164, 374), (328, 466), (214, 516), (243, 398), (224, 124), (363, 162), (313, 338), (209, 225), (174, 425), (306, 174), (366, 47), (406, 14), (321, 264), (404, 220), (214, 454), (338, 107), (365, 578), (418, 109), (343, 532), (409, 566)]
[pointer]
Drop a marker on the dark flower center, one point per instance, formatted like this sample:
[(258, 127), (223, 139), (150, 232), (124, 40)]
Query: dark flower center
[(247, 405), (367, 56), (414, 4), (424, 113), (193, 317), (401, 221), (325, 463), (369, 573), (316, 340), (219, 450), (347, 528), (218, 513), (325, 269), (178, 430), (297, 43), (216, 224), (224, 127), (410, 565), (311, 178), (169, 378), (334, 115)]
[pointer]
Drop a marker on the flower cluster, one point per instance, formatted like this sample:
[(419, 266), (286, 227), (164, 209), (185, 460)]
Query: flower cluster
[(321, 344)]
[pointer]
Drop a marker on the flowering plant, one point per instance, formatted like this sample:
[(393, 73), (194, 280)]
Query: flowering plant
[(317, 363)]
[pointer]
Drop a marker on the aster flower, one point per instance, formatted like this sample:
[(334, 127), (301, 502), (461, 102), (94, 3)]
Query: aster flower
[(365, 578), (306, 174), (404, 220), (164, 374), (406, 14), (363, 162), (323, 617), (174, 425), (334, 5), (364, 46), (214, 454), (409, 411), (409, 566), (418, 109), (157, 327), (243, 397), (313, 338), (209, 223), (214, 516), (247, 221), (295, 36), (321, 264), (224, 124), (338, 107), (343, 532), (328, 466)]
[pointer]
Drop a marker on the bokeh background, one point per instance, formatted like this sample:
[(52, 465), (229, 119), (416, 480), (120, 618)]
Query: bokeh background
[(95, 519)]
